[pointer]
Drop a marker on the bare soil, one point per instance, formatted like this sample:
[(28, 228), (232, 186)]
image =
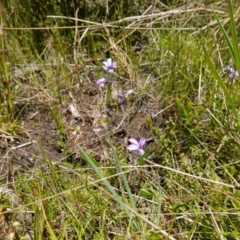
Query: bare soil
[(39, 137)]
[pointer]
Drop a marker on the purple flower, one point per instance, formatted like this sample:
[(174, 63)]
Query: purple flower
[(122, 98), (233, 74), (136, 146), (129, 92), (98, 128), (109, 65), (101, 82)]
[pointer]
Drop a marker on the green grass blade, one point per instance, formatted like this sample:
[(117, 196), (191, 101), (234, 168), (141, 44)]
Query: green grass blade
[(125, 182), (229, 100), (228, 40), (48, 227), (233, 41), (107, 184), (234, 37), (158, 217), (38, 223)]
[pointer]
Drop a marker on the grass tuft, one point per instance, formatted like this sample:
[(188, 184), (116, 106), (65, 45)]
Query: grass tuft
[(119, 120)]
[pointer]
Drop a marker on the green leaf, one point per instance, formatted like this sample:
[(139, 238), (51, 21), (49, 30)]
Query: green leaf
[(146, 193), (141, 160), (92, 160)]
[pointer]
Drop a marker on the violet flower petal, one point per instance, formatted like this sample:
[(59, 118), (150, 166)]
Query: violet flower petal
[(98, 128), (106, 63), (109, 65), (129, 91), (142, 142), (120, 97), (136, 146), (101, 82), (132, 147), (133, 141), (140, 151), (233, 74)]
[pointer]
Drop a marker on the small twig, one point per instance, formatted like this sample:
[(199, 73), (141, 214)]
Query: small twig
[(153, 116), (22, 145), (75, 38)]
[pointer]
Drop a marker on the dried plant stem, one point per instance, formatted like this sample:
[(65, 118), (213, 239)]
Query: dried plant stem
[(6, 84)]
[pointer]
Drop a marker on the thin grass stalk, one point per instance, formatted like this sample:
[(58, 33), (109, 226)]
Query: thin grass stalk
[(108, 185), (233, 41), (6, 84), (38, 223), (158, 218), (125, 182), (229, 99), (50, 230), (228, 40), (234, 37)]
